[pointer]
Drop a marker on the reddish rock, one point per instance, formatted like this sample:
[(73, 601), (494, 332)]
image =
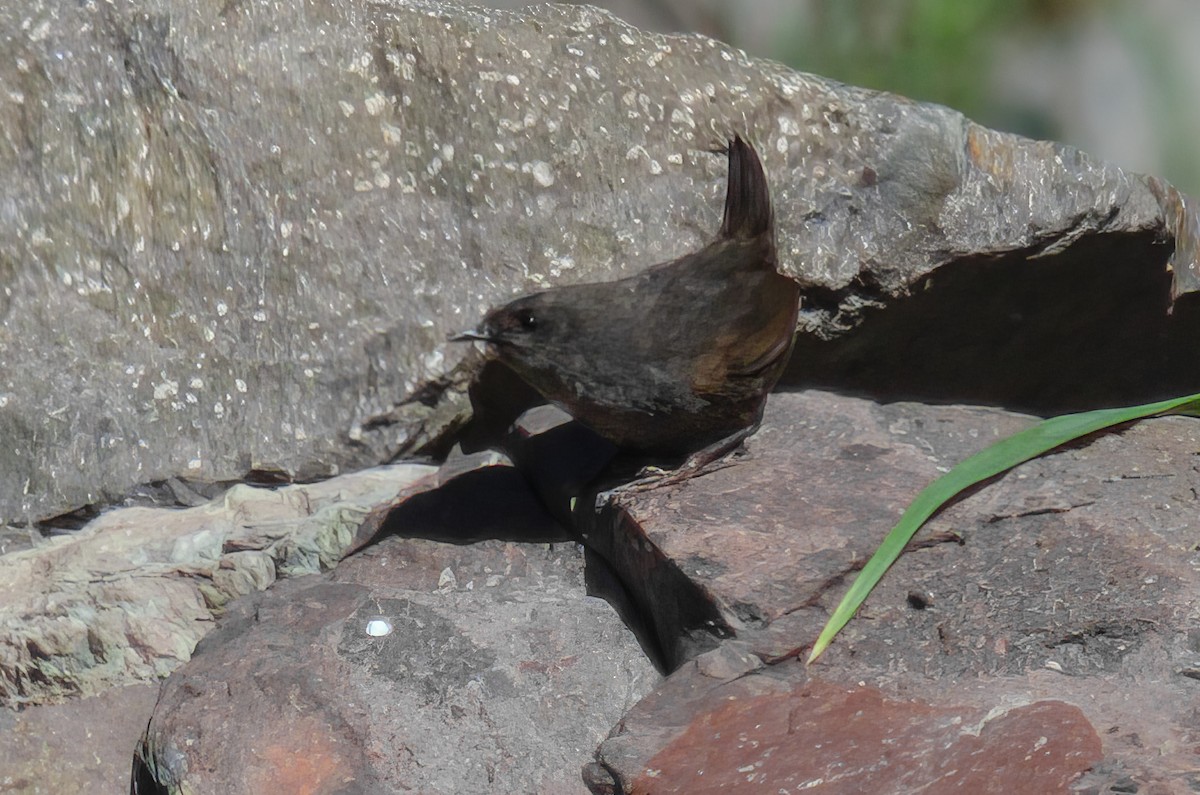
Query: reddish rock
[(759, 734), (1066, 611), (492, 672), (82, 746)]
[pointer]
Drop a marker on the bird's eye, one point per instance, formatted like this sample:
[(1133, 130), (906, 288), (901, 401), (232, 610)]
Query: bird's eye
[(527, 319)]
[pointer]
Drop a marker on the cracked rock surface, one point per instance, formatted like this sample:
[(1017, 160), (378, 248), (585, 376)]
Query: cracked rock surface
[(125, 599)]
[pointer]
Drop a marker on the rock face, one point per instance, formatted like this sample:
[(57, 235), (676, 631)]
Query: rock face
[(1056, 641), (1042, 627), (80, 746), (234, 237), (416, 667), (125, 599)]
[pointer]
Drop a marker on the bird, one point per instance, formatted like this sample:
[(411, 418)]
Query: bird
[(675, 361)]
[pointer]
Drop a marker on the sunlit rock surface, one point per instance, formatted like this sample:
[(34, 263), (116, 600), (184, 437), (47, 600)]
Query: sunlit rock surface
[(234, 236)]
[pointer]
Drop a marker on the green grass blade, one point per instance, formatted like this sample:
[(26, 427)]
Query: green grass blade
[(1000, 457)]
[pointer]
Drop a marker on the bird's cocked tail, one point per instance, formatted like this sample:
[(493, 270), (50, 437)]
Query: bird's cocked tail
[(747, 197)]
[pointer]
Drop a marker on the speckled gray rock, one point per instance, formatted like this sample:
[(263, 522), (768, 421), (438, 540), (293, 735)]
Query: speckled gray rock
[(234, 236)]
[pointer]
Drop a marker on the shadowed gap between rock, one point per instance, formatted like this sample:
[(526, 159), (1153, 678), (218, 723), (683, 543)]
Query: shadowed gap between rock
[(555, 459), (1087, 328)]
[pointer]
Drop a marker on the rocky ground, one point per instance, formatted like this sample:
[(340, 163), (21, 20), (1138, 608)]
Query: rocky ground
[(239, 543)]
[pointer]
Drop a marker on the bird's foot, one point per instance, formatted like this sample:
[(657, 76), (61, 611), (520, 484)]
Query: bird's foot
[(708, 459)]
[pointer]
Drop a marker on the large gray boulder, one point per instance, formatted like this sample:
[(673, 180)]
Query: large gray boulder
[(234, 236)]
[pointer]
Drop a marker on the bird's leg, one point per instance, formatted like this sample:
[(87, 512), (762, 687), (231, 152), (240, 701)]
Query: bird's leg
[(703, 459)]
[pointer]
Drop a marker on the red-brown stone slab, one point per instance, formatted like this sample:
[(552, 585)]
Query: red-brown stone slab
[(1073, 584), (82, 746), (416, 666), (819, 737)]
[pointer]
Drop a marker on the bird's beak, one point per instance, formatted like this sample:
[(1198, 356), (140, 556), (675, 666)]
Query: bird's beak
[(470, 336)]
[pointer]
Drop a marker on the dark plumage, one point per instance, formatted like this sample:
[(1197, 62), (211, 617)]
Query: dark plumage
[(676, 358)]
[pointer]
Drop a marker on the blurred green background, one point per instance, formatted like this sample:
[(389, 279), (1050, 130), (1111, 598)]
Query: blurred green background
[(1117, 78)]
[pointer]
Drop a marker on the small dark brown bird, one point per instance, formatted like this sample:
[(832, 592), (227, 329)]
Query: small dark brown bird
[(674, 361)]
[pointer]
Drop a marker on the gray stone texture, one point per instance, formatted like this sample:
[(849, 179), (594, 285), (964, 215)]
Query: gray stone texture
[(235, 235), (233, 239)]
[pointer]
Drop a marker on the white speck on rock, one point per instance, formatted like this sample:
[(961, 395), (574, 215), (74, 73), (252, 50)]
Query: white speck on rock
[(391, 133), (40, 32), (375, 103), (682, 116), (560, 264), (379, 627), (166, 389), (433, 360), (347, 108), (542, 173)]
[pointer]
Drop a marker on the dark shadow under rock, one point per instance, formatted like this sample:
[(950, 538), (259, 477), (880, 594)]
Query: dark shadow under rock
[(1083, 328), (491, 502)]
